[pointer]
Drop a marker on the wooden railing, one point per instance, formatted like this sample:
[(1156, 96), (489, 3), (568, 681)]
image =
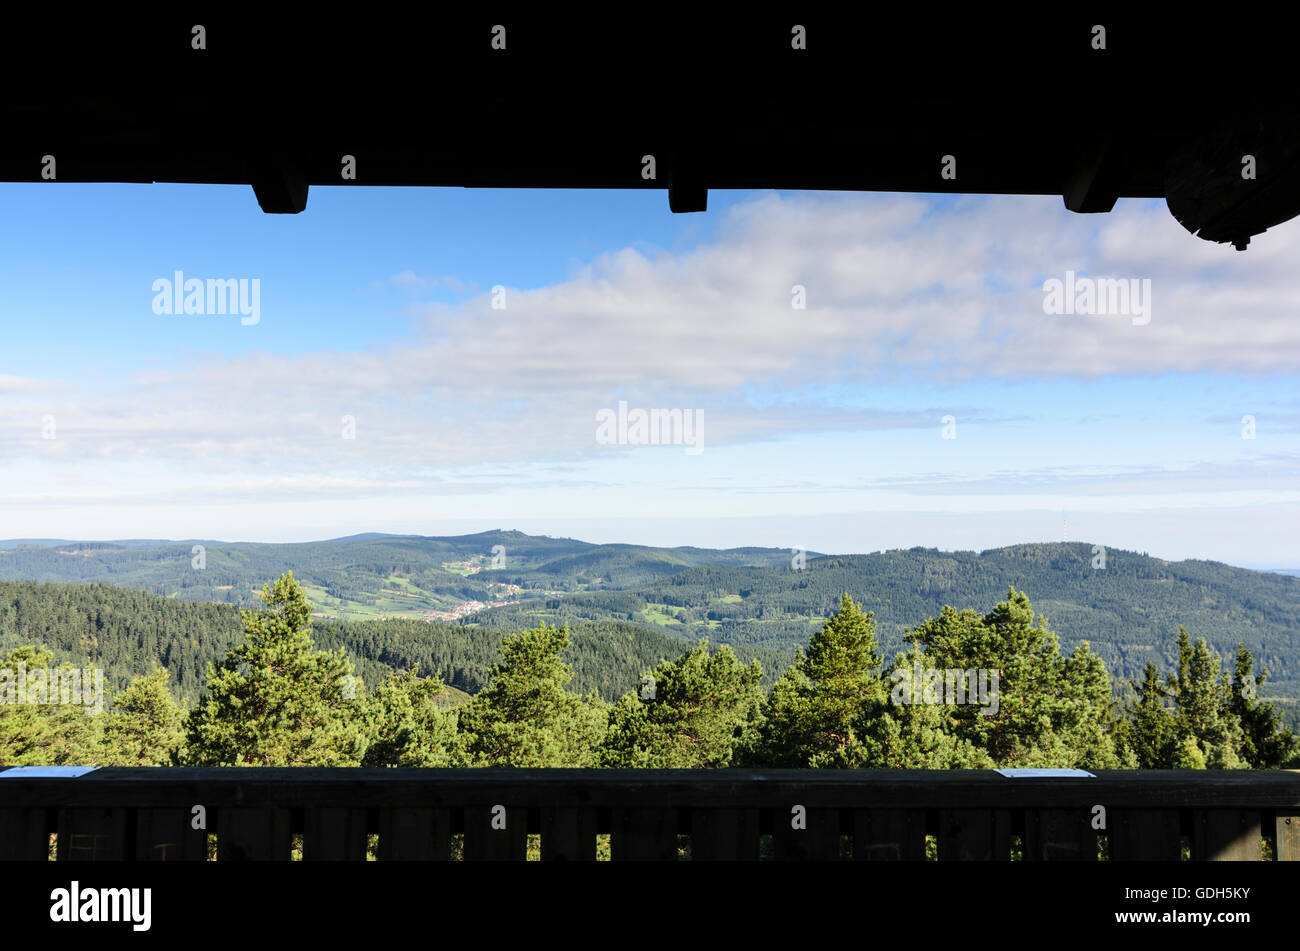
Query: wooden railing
[(561, 814)]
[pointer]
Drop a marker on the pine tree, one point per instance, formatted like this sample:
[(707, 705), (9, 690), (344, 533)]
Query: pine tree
[(1151, 736), (525, 717), (145, 727), (813, 717), (1087, 713), (701, 709), (275, 700), (1051, 711), (1204, 720), (406, 725), (36, 732), (907, 733), (1265, 744)]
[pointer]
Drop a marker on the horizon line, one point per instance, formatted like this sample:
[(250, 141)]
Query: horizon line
[(45, 542)]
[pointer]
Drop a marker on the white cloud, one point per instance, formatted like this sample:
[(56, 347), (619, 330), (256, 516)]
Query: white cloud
[(899, 289)]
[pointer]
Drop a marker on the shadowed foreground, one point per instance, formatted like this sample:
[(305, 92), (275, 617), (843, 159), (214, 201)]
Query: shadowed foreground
[(269, 814)]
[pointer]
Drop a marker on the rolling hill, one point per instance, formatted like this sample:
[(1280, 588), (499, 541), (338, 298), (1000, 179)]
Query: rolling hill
[(367, 576)]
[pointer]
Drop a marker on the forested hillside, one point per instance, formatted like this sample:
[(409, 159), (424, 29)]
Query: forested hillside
[(125, 632), (1129, 612)]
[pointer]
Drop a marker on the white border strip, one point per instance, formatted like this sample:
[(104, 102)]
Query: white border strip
[(46, 772)]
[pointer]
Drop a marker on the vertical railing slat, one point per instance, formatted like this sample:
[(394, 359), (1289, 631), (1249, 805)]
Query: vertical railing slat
[(1144, 835), (334, 834), (167, 834), (569, 834), (889, 835), (485, 842), (1059, 835), (93, 834), (1226, 835), (724, 835), (819, 840), (1287, 831), (974, 835), (253, 834), (24, 836), (409, 834), (644, 834)]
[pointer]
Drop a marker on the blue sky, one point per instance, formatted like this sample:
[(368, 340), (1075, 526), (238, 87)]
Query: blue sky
[(822, 427)]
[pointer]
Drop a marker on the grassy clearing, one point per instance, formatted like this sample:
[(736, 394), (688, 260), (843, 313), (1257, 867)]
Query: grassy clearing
[(661, 614)]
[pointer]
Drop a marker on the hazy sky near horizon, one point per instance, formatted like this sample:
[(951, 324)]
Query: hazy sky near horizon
[(821, 427)]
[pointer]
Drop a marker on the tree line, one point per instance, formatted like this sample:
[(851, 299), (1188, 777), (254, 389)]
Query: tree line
[(969, 691)]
